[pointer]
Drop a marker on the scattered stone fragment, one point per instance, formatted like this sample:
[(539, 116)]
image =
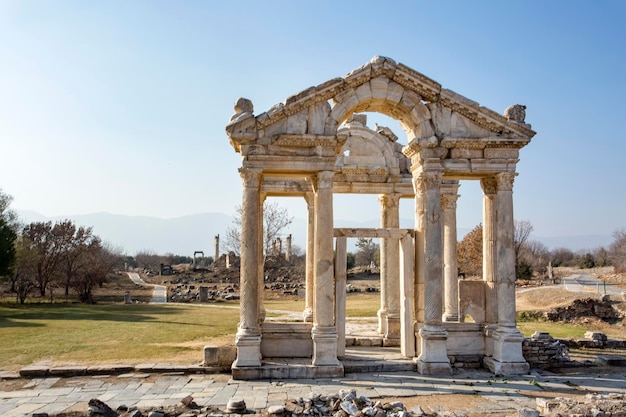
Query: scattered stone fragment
[(236, 405), (98, 408)]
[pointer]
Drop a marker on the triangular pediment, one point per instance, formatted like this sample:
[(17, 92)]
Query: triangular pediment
[(422, 106)]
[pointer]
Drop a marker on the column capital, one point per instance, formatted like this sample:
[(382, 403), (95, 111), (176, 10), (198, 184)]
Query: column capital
[(431, 180), (489, 185), (389, 200), (251, 177), (448, 201), (324, 179), (505, 181)]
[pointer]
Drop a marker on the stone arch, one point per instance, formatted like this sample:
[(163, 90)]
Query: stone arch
[(295, 149)]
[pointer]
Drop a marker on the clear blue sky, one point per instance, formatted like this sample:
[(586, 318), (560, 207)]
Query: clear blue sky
[(120, 106)]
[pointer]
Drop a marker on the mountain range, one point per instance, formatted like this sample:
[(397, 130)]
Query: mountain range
[(187, 234)]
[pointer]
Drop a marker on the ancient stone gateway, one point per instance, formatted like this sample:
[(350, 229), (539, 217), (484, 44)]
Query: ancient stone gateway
[(315, 144)]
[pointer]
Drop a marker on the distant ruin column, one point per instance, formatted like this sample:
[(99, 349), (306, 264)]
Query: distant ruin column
[(449, 197), (390, 270), (489, 187), (433, 358), (324, 332), (507, 340), (288, 248), (217, 249), (310, 257), (248, 338)]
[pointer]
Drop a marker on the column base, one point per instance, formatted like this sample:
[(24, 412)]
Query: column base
[(382, 321), (248, 349), (307, 315), (433, 358), (507, 358), (392, 334), (325, 346)]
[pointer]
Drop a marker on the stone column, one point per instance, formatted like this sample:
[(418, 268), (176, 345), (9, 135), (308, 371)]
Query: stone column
[(341, 252), (433, 358), (382, 311), (288, 248), (507, 340), (261, 258), (419, 260), (307, 314), (217, 249), (449, 197), (407, 288), (390, 270), (489, 186), (248, 338), (324, 332)]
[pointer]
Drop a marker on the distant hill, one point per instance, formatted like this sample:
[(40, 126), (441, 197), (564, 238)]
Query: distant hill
[(187, 234)]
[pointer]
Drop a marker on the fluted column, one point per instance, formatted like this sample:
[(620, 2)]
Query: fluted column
[(433, 357), (505, 249), (489, 186), (310, 258), (449, 197), (507, 340), (390, 269), (248, 338), (324, 332), (261, 259)]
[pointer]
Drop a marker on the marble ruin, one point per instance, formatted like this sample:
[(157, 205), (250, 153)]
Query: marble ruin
[(317, 143)]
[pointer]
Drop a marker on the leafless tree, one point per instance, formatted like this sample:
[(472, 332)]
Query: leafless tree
[(537, 255), (523, 229), (99, 262), (275, 220), (369, 251), (617, 249), (73, 259)]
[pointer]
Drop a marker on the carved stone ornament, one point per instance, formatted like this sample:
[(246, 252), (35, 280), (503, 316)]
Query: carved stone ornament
[(448, 201), (244, 105), (516, 113), (251, 177), (325, 179), (505, 181), (489, 185), (385, 131), (431, 180)]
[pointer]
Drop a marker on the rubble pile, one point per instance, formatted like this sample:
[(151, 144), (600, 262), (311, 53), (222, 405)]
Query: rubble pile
[(611, 405), (585, 308), (347, 404)]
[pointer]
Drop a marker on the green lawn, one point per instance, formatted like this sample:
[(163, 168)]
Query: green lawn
[(110, 333)]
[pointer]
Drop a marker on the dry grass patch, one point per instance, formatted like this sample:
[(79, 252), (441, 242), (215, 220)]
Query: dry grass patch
[(113, 333)]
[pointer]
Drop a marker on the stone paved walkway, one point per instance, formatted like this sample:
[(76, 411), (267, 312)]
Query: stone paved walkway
[(159, 296), (489, 394)]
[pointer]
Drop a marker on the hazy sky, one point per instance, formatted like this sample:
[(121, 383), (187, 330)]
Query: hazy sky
[(120, 106)]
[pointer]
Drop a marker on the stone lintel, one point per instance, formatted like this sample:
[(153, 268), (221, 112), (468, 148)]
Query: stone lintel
[(405, 189), (372, 232)]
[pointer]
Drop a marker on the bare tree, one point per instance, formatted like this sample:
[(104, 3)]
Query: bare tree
[(275, 220), (617, 250), (368, 252), (73, 259), (537, 255), (99, 261)]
